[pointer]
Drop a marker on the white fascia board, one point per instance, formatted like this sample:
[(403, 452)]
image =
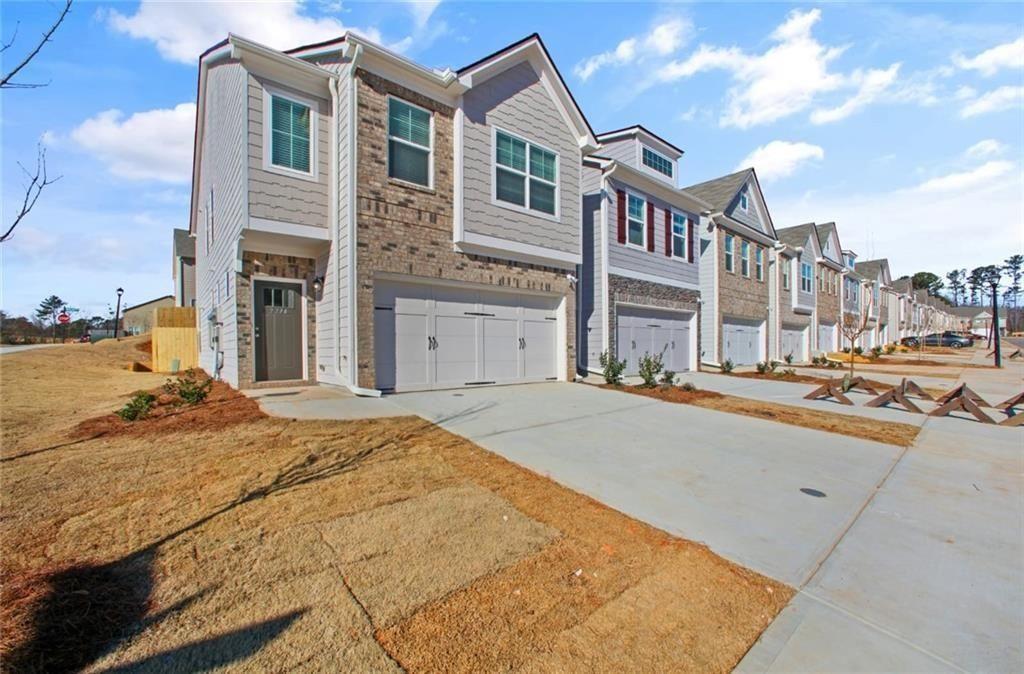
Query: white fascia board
[(289, 229), (652, 278), (658, 188), (493, 246), (280, 66)]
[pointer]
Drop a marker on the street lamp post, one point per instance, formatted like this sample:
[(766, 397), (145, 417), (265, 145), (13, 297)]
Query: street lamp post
[(117, 314), (992, 276)]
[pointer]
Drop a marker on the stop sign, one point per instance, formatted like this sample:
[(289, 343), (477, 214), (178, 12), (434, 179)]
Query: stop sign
[(63, 318)]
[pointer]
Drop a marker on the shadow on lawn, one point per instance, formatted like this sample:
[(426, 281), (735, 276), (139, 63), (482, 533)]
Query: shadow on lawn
[(64, 619)]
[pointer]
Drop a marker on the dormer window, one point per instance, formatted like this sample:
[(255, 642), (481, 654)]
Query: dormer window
[(658, 162)]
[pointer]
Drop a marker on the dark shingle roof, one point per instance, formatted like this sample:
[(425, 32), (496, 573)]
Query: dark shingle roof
[(967, 312), (720, 191), (184, 245), (796, 236), (869, 269), (903, 285)]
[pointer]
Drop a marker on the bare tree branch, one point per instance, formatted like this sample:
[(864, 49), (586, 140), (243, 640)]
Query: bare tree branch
[(14, 36), (37, 182), (6, 83)]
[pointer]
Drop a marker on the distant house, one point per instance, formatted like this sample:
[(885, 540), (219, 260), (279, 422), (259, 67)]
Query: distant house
[(183, 269), (975, 319), (138, 320)]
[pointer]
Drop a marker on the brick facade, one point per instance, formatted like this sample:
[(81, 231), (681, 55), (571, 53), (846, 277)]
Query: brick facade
[(406, 229), (655, 295), (828, 302), (740, 296), (255, 265)]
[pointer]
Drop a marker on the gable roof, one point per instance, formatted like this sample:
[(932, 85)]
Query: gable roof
[(796, 237), (875, 268), (719, 192), (968, 311), (825, 230), (903, 285)]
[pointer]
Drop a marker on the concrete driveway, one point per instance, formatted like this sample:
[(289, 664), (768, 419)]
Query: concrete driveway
[(729, 481)]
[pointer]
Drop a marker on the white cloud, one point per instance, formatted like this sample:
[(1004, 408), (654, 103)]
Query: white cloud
[(989, 147), (1003, 98), (991, 61), (964, 180), (785, 79), (150, 145), (663, 39), (872, 84), (780, 158), (182, 32), (425, 32)]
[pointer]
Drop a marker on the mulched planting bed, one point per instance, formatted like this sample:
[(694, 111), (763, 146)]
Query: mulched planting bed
[(672, 394)]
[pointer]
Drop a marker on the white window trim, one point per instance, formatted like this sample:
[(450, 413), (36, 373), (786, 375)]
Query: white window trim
[(745, 257), (786, 265), (313, 174), (744, 201), (686, 235), (809, 278), (671, 165), (389, 138), (525, 208), (643, 221), (729, 245)]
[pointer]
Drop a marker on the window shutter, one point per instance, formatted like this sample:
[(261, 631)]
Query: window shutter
[(689, 240), (650, 227), (622, 215), (668, 232)]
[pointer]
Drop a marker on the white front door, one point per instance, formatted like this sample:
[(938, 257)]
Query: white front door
[(449, 336)]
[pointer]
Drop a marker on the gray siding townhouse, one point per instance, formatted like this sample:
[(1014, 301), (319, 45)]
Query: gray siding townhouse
[(183, 268), (879, 280), (905, 315), (799, 256), (736, 254), (364, 221), (639, 289), (829, 305)]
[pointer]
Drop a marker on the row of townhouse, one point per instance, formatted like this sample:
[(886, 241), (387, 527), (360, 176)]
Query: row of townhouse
[(363, 221)]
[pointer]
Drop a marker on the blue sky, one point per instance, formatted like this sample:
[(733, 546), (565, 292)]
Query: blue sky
[(903, 123)]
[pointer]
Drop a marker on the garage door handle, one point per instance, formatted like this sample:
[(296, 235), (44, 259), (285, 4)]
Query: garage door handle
[(634, 343), (673, 345)]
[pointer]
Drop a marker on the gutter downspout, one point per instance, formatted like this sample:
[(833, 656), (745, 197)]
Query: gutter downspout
[(353, 153), (332, 84)]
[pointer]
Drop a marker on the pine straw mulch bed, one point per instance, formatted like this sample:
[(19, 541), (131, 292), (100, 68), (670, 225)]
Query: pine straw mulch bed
[(361, 546), (891, 433), (796, 378)]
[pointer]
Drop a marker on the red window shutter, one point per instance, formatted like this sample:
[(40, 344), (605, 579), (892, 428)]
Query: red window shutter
[(689, 240), (650, 227), (668, 232), (622, 215)]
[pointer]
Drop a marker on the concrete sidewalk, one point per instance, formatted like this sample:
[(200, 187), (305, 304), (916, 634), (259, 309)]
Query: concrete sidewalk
[(930, 576)]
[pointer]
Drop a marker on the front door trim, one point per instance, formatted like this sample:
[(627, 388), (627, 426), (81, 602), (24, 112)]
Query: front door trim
[(259, 278)]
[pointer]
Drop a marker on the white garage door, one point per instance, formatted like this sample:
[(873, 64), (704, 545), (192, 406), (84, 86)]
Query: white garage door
[(741, 341), (793, 338), (826, 337), (431, 337), (643, 331)]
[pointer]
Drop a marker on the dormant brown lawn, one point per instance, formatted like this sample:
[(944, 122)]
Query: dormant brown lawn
[(267, 544)]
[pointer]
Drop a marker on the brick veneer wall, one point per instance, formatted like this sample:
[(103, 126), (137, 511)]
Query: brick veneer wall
[(655, 295), (255, 265), (406, 229), (828, 304), (738, 295)]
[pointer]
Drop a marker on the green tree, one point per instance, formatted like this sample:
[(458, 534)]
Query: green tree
[(925, 280), (1014, 268), (48, 311), (955, 285), (975, 283)]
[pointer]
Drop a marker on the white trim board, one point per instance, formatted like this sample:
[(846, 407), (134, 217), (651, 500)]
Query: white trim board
[(493, 246)]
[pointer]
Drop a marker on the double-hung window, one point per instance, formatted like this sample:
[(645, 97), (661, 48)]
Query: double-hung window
[(743, 200), (291, 132), (785, 273), (525, 175), (659, 163), (745, 258), (729, 246), (410, 143), (636, 231), (759, 263), (806, 278), (679, 235)]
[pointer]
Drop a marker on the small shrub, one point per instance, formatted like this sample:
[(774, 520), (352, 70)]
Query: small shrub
[(688, 387), (876, 351), (817, 360), (668, 377), (650, 368), (846, 349), (189, 388), (763, 367), (787, 372), (788, 358), (890, 349), (858, 351), (138, 407), (727, 366), (612, 368)]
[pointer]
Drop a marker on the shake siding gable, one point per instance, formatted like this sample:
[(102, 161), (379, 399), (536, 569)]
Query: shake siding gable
[(274, 196), (223, 159), (517, 102)]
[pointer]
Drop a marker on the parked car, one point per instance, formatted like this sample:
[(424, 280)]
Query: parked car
[(950, 339)]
